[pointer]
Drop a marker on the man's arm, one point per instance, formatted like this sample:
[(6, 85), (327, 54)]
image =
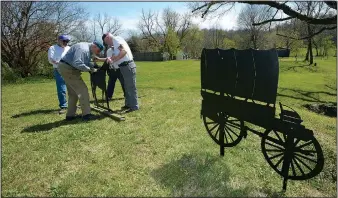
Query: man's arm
[(78, 61), (120, 55), (99, 59), (51, 56)]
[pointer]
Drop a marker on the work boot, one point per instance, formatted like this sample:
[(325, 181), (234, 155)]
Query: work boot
[(63, 110), (70, 118), (90, 117), (125, 107), (130, 110)]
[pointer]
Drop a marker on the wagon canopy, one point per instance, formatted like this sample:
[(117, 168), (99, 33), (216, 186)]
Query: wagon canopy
[(250, 74)]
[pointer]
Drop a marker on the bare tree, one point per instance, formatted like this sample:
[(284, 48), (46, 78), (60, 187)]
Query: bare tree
[(149, 27), (82, 33), (108, 24), (289, 8), (29, 28), (251, 14), (155, 28)]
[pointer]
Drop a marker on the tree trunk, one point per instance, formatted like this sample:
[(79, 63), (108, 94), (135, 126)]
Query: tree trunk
[(309, 55), (316, 47)]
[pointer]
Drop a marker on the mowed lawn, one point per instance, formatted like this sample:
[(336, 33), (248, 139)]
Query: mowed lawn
[(161, 150)]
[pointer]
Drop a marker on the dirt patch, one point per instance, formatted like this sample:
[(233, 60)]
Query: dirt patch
[(328, 109)]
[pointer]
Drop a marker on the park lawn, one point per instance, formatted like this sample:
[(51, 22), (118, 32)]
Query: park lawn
[(161, 150)]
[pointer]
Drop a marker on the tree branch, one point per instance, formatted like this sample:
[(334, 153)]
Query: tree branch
[(272, 20), (292, 13), (310, 36)]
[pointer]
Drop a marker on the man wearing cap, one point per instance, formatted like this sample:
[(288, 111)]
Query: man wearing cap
[(55, 53), (77, 60), (124, 59)]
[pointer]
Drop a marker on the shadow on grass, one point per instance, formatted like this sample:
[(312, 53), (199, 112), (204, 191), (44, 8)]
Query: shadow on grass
[(306, 96), (48, 126), (35, 112), (332, 88), (284, 69), (198, 175)]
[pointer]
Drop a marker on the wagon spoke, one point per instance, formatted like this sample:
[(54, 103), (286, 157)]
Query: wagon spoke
[(305, 157), (233, 120), (276, 156), (214, 127), (210, 122), (306, 144), (298, 166), (303, 163), (231, 131), (274, 150), (307, 152), (280, 160), (229, 134), (216, 133), (274, 145), (274, 140), (226, 139), (234, 125), (278, 136), (296, 142), (293, 168)]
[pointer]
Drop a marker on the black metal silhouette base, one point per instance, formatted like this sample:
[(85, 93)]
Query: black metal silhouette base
[(98, 79)]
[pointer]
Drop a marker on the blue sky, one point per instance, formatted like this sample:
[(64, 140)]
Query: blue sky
[(129, 13)]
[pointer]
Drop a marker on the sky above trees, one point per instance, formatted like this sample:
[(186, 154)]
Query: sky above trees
[(129, 13)]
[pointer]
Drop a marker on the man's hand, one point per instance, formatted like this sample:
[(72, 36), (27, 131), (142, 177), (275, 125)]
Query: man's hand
[(93, 69), (109, 60), (95, 58)]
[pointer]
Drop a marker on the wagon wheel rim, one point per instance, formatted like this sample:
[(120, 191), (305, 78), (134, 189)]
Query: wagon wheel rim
[(307, 158), (232, 129)]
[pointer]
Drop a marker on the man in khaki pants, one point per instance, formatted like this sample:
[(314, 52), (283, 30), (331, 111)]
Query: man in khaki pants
[(77, 60)]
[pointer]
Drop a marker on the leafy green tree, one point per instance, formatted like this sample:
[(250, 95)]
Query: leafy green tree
[(172, 43), (228, 43)]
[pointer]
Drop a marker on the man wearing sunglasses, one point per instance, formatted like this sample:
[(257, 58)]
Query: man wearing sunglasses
[(55, 53)]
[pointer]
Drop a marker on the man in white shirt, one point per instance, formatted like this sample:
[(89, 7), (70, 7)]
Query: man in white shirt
[(124, 59), (55, 53), (114, 73)]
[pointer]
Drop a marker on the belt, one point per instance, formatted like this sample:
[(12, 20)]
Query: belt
[(62, 61), (125, 63)]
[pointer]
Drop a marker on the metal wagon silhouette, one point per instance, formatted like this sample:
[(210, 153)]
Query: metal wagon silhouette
[(240, 86)]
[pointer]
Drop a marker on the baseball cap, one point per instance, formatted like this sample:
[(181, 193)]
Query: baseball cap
[(99, 45), (64, 37)]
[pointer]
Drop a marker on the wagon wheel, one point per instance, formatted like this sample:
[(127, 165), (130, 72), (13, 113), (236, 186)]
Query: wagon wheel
[(232, 130), (306, 156)]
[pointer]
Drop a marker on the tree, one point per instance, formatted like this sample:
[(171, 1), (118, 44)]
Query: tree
[(228, 44), (250, 15), (289, 8), (193, 42), (29, 28), (172, 43), (154, 28), (81, 33), (105, 24), (292, 9)]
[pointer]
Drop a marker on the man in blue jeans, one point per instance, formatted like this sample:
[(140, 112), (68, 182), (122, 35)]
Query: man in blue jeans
[(55, 53)]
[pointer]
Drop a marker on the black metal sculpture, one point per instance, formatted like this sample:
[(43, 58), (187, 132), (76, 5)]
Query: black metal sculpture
[(98, 79), (240, 86)]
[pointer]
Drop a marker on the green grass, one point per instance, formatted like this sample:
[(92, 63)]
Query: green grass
[(161, 150)]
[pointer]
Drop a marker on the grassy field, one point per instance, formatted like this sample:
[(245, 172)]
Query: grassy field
[(161, 150)]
